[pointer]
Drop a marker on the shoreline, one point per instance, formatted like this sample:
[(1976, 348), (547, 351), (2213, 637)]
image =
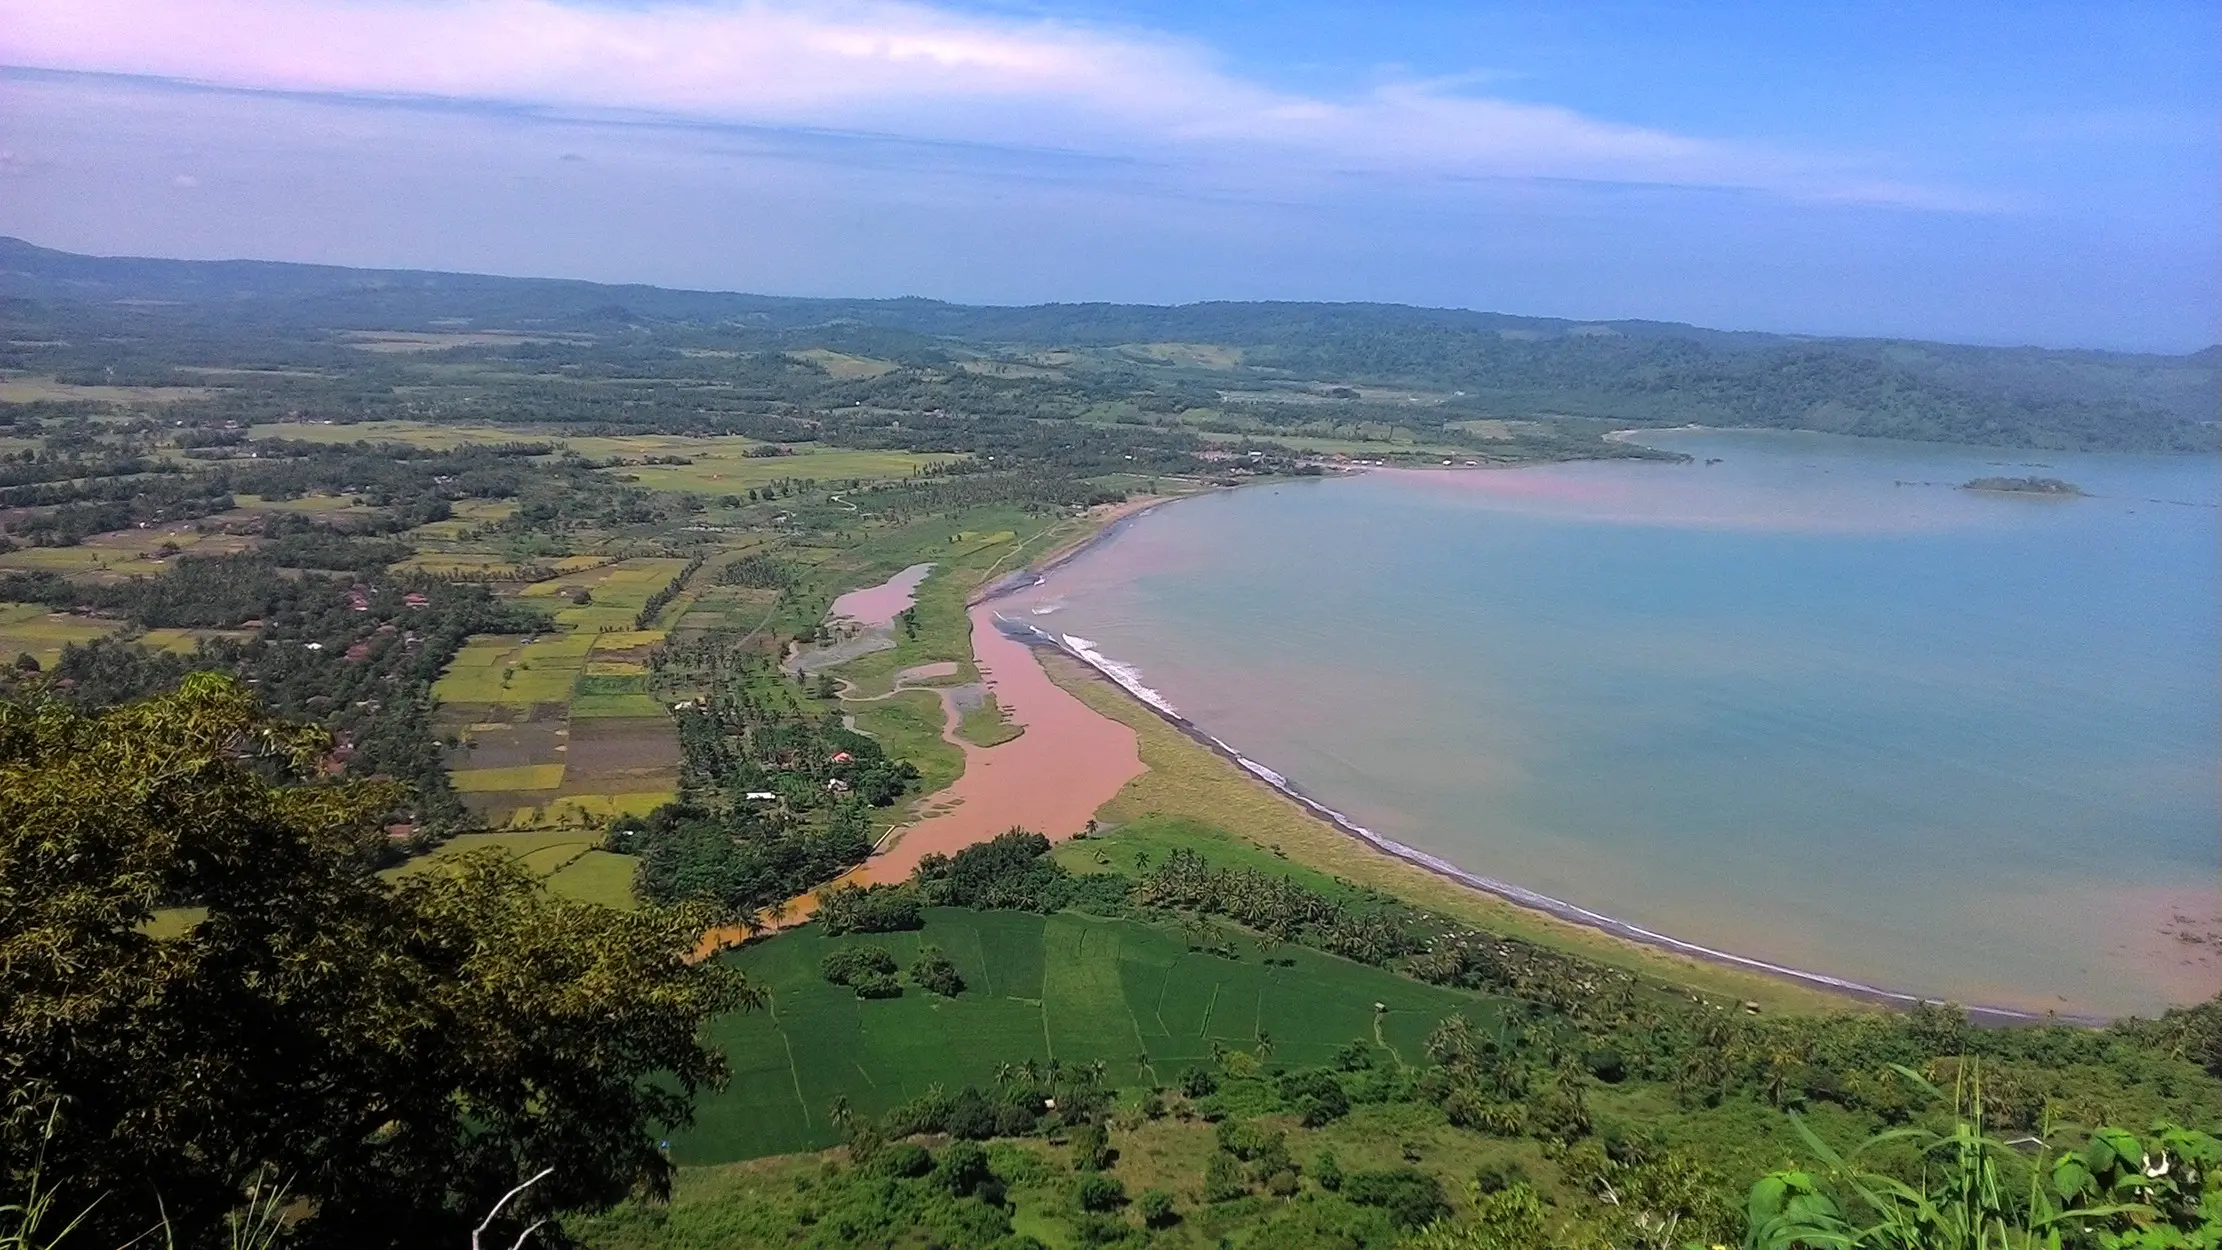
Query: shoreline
[(1128, 684)]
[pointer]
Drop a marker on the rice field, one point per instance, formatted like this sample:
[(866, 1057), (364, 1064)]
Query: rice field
[(1069, 987), (570, 861)]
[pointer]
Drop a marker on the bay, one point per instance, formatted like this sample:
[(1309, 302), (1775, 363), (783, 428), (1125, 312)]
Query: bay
[(1801, 698)]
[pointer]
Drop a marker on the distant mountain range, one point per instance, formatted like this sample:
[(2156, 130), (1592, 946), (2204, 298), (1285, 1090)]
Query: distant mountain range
[(1645, 372)]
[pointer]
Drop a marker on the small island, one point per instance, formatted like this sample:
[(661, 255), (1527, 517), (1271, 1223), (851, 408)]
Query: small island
[(2024, 486)]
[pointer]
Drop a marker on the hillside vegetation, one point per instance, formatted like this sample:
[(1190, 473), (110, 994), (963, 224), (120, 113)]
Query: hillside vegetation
[(1362, 371)]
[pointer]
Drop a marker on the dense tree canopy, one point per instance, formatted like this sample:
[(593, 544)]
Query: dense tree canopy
[(399, 1054)]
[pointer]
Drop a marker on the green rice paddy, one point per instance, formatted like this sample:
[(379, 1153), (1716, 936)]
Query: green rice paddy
[(1069, 987)]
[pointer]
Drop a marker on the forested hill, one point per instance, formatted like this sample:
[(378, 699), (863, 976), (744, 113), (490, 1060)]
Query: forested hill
[(1470, 365)]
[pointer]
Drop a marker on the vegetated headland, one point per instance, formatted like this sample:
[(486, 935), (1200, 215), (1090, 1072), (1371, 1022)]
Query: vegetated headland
[(2024, 486), (512, 583)]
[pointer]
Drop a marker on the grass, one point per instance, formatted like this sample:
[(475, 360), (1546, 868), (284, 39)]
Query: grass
[(425, 434), (31, 628), (596, 809), (32, 390), (1186, 781), (597, 877), (843, 367), (517, 777), (500, 668), (570, 860), (987, 725), (908, 725), (1070, 987), (529, 847), (597, 706), (723, 466)]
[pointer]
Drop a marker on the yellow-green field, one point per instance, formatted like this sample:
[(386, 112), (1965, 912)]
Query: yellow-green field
[(31, 628), (842, 367), (436, 437), (1201, 355), (400, 342), (498, 668), (520, 777), (31, 390), (572, 862), (562, 729), (311, 505), (723, 466)]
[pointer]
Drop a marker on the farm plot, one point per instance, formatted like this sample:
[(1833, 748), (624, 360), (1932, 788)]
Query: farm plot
[(1074, 988), (561, 728), (30, 628), (571, 862), (723, 466), (515, 670), (617, 765)]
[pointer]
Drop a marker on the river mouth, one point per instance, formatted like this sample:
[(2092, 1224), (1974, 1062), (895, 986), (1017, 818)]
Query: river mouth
[(1811, 704)]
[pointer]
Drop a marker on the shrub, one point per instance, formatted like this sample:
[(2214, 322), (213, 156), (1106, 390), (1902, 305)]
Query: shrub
[(1327, 1170), (879, 985), (1091, 1147), (1223, 1178), (1156, 1207), (852, 964), (1500, 1174), (971, 1116), (1409, 1197), (933, 973), (869, 909), (963, 1170), (1265, 1150), (1015, 1119), (1100, 1193), (1198, 1083), (905, 1159), (1094, 1228), (1317, 1096), (1606, 1065)]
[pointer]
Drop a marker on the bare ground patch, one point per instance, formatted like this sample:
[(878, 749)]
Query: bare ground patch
[(622, 755)]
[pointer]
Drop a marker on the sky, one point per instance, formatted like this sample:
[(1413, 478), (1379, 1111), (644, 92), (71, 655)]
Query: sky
[(2000, 173)]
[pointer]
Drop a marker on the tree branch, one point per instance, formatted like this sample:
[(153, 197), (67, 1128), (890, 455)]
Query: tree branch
[(480, 1231)]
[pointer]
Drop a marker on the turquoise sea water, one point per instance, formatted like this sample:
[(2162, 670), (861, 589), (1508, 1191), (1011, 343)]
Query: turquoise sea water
[(1810, 703)]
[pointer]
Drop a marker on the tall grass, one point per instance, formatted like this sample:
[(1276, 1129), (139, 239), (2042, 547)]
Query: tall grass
[(1968, 1191)]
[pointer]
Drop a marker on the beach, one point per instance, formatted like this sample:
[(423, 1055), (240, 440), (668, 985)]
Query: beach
[(1094, 747), (1795, 707)]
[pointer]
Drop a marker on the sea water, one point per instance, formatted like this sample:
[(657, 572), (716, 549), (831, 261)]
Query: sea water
[(1802, 698)]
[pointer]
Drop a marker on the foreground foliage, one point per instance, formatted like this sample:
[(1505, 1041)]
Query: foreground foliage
[(399, 1054)]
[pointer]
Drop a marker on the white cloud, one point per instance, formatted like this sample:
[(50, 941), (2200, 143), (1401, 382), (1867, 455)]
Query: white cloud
[(894, 68)]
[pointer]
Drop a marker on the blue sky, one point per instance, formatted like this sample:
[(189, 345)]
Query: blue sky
[(1994, 173)]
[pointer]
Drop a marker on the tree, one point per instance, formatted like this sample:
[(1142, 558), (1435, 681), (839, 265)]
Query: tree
[(400, 1053)]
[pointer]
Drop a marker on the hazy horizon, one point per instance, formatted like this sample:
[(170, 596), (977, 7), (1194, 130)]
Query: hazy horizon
[(621, 285), (2025, 174)]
